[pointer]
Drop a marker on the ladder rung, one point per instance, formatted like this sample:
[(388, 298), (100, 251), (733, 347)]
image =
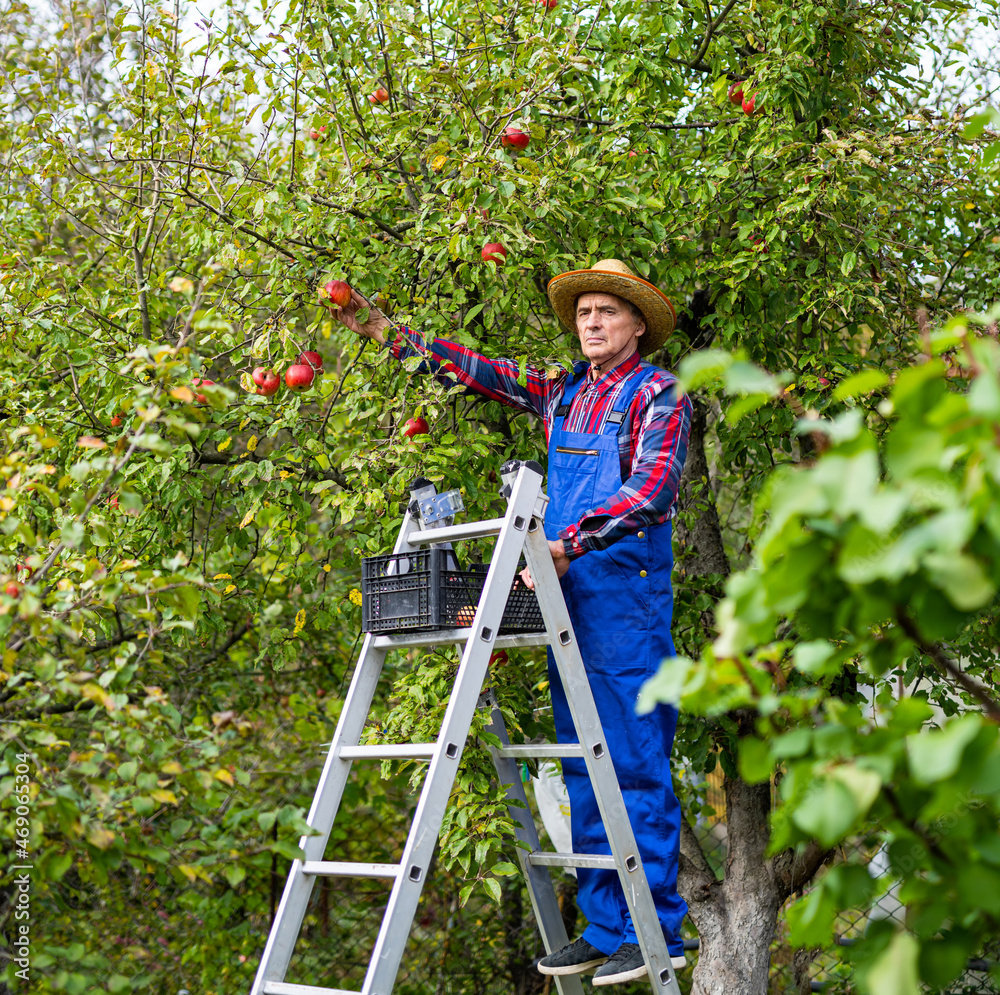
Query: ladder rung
[(283, 988), (350, 869), (389, 751), (471, 530), (570, 860), (448, 637), (541, 750)]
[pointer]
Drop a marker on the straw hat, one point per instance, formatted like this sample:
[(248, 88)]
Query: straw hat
[(612, 276)]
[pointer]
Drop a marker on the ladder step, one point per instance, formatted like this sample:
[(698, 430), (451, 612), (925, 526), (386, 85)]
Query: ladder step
[(471, 530), (350, 869), (389, 751), (541, 750), (571, 860), (283, 988), (448, 637)]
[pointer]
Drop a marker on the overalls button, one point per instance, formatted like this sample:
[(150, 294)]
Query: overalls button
[(642, 573), (642, 535)]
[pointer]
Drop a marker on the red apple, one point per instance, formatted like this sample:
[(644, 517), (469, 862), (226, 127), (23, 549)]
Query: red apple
[(416, 426), (632, 153), (549, 4), (318, 134), (200, 398), (267, 381), (760, 243), (515, 138), (13, 589), (498, 658), (494, 252), (313, 359), (113, 501), (336, 292), (748, 105), (116, 421), (823, 382), (736, 94), (299, 377), (380, 96)]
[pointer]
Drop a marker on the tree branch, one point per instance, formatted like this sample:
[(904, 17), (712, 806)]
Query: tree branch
[(947, 666)]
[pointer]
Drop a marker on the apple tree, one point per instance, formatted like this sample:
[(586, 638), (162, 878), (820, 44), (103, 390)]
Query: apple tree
[(179, 551)]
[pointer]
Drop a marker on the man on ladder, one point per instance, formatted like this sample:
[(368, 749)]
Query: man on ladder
[(617, 435)]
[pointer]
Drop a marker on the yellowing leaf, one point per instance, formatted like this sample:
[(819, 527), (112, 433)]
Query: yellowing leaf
[(101, 838), (172, 767), (248, 518), (223, 775), (163, 796), (223, 446), (437, 163), (251, 443), (184, 394), (181, 285), (91, 442), (94, 692)]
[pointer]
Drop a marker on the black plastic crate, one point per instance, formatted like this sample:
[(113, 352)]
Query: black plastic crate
[(426, 590)]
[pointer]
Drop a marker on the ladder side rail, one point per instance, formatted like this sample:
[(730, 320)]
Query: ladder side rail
[(440, 777), (544, 902), (590, 733), (291, 909)]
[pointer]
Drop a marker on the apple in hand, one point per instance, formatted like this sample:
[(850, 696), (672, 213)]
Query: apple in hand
[(336, 292), (299, 377), (267, 381), (380, 96), (736, 94), (515, 138), (200, 398), (416, 426), (494, 252), (311, 359)]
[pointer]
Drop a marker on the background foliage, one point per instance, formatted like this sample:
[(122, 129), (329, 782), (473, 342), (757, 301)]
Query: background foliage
[(184, 626)]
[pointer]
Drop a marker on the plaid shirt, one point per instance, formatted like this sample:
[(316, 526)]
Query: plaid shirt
[(652, 451)]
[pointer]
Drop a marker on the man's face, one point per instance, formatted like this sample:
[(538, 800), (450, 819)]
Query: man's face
[(606, 327)]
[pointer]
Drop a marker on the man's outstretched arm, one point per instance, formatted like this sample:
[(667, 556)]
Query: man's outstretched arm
[(496, 379)]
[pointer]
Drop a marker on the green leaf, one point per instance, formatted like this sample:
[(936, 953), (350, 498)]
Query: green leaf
[(493, 887), (895, 971), (860, 384), (665, 685), (935, 756)]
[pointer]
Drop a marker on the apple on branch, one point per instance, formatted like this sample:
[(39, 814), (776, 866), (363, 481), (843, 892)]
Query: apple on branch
[(299, 376), (311, 359), (416, 426), (494, 252), (200, 398), (318, 134), (267, 381), (12, 589), (515, 138), (736, 93), (380, 96), (749, 105), (337, 292)]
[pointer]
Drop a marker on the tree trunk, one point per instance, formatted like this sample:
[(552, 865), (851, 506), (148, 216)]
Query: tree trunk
[(736, 917), (699, 533)]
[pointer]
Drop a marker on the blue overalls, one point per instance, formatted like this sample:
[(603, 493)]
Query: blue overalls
[(621, 602)]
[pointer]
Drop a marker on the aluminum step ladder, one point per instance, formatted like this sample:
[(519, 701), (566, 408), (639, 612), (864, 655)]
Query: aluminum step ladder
[(518, 532)]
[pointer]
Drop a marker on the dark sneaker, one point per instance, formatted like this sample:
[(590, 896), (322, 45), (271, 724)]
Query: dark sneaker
[(576, 958), (625, 964)]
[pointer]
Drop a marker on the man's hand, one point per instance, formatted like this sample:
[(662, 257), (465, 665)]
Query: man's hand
[(372, 328), (559, 560)]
